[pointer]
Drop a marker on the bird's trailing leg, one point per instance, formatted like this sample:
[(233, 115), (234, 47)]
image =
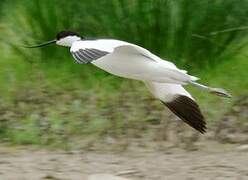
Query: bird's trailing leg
[(216, 91)]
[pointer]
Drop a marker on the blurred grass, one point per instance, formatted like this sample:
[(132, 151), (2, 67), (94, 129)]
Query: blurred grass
[(43, 107), (230, 75), (48, 99), (165, 27)]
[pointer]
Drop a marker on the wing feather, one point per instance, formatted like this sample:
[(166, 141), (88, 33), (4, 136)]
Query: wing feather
[(81, 57), (180, 102), (129, 61), (87, 55), (187, 109)]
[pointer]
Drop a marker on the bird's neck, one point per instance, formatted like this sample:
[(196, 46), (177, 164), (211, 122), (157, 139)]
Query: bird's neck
[(68, 41)]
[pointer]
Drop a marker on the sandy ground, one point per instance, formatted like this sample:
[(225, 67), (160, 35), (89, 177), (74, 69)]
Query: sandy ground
[(211, 161)]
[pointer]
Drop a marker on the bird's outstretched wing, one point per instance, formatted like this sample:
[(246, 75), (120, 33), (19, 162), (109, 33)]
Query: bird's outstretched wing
[(128, 60), (180, 102), (133, 49), (88, 51), (86, 55)]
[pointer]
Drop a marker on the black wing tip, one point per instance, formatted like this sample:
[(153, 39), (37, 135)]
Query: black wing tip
[(188, 110)]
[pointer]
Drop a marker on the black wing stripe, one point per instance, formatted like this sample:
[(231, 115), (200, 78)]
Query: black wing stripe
[(80, 58), (98, 52), (87, 57), (76, 58), (187, 109), (84, 58), (91, 54), (95, 51)]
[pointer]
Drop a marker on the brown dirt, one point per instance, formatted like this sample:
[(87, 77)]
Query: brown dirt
[(210, 161)]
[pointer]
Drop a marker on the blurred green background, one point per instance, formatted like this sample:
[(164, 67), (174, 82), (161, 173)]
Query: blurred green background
[(47, 99)]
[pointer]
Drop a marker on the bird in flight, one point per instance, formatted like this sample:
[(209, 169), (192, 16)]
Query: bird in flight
[(163, 79)]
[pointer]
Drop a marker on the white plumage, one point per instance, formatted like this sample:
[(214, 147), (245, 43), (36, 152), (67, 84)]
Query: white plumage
[(134, 62), (164, 80)]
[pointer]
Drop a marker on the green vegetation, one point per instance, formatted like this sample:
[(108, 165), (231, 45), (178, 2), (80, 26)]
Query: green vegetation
[(48, 99)]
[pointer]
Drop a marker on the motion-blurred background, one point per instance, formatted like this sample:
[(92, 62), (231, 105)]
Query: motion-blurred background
[(48, 100)]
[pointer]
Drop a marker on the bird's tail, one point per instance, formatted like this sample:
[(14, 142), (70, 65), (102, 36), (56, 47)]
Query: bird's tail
[(217, 91)]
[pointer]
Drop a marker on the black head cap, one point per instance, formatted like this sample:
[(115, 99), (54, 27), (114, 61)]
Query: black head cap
[(63, 34)]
